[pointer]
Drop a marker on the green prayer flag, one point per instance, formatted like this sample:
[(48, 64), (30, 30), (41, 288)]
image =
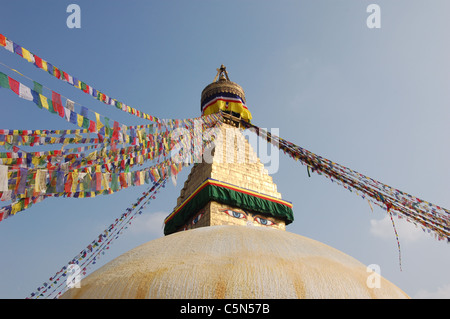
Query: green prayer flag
[(86, 122), (50, 107), (87, 182), (37, 87), (114, 182), (4, 82), (107, 122)]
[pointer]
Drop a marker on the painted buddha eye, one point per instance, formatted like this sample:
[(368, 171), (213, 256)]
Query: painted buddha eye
[(264, 221), (196, 219), (235, 214)]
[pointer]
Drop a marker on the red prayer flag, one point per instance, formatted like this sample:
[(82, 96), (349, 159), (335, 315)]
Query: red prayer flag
[(57, 104), (66, 76), (2, 40), (92, 126), (56, 72), (38, 62), (123, 180), (61, 110), (68, 184), (98, 181), (14, 85)]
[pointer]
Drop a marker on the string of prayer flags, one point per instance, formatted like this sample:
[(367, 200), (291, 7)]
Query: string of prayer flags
[(44, 65), (120, 133), (57, 284), (53, 105), (49, 181), (432, 218)]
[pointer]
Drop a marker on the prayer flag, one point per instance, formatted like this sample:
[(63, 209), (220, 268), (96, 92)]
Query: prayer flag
[(70, 105), (17, 49), (49, 68), (59, 181), (92, 126), (21, 181), (56, 72), (27, 55), (3, 178), (67, 114), (9, 46), (13, 85), (99, 124), (25, 92), (40, 185), (57, 104), (4, 82), (86, 122), (79, 120), (36, 98), (38, 62), (44, 101), (37, 87), (84, 111), (44, 65), (73, 117), (65, 76)]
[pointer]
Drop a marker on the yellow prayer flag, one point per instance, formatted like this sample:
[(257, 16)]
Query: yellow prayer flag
[(44, 101), (105, 181), (44, 65), (80, 120), (74, 181), (36, 181), (40, 181), (99, 123), (92, 156), (27, 55), (15, 208), (35, 160)]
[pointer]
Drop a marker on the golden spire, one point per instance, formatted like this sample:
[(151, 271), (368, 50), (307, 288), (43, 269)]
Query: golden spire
[(222, 74)]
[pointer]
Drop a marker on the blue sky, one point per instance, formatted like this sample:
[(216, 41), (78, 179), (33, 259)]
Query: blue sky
[(374, 100)]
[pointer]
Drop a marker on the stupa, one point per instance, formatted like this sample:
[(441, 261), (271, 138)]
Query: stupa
[(227, 238)]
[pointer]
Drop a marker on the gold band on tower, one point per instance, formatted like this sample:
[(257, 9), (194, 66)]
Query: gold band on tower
[(226, 96)]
